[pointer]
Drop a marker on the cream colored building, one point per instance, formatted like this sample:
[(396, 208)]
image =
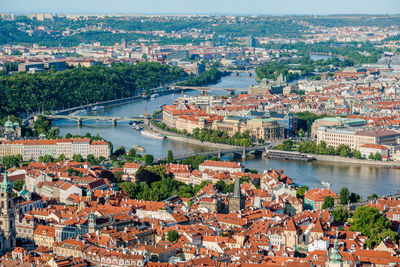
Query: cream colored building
[(266, 129), (336, 136), (355, 139), (33, 149)]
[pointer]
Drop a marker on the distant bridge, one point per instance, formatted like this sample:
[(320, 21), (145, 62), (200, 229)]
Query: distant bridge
[(238, 151), (204, 89), (80, 119)]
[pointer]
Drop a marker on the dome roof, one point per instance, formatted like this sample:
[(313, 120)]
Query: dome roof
[(8, 123)]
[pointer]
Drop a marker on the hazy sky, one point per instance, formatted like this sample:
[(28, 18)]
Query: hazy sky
[(275, 7)]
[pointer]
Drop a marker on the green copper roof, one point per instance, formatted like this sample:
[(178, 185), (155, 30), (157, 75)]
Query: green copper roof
[(263, 120), (331, 119), (5, 185), (335, 256), (8, 123)]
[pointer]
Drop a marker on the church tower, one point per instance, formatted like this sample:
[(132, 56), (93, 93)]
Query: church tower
[(236, 201), (91, 222), (7, 216)]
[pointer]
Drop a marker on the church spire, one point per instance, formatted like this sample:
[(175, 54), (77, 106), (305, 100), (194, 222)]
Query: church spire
[(236, 189), (5, 185), (335, 256)]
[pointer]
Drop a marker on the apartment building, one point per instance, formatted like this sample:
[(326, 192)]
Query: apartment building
[(355, 139), (336, 136), (33, 149), (263, 128)]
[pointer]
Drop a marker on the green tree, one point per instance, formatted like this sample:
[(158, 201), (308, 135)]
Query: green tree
[(148, 159), (92, 159), (344, 150), (357, 154), (10, 161), (329, 202), (18, 185), (370, 222), (371, 156), (377, 156), (340, 214), (118, 176), (68, 136), (48, 158), (344, 195), (41, 125), (301, 191), (373, 196), (129, 188), (119, 152), (170, 157), (78, 158), (172, 236), (301, 133), (143, 174), (354, 198), (61, 157)]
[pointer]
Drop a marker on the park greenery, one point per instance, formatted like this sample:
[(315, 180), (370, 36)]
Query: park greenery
[(25, 93), (152, 183), (311, 147), (209, 135), (298, 68), (371, 223), (357, 53), (306, 119), (172, 236), (208, 77)]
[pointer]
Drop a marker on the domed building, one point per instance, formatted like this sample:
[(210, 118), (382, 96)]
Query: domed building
[(10, 131)]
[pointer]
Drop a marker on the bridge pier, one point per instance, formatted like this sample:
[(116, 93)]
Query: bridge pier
[(250, 74), (219, 153), (244, 153), (236, 73), (231, 92), (114, 122), (79, 122)]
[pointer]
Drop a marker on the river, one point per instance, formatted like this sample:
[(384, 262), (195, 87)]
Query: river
[(363, 180)]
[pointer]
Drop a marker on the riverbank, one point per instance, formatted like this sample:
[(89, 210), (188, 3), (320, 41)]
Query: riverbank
[(339, 159), (185, 139)]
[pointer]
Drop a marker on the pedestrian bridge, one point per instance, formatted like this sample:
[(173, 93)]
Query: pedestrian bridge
[(80, 119)]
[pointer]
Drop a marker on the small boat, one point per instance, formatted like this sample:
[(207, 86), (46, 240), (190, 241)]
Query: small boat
[(325, 183), (137, 127), (98, 108), (138, 148), (153, 134), (154, 96)]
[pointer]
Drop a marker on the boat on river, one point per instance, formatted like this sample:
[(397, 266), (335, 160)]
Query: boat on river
[(326, 184), (153, 134), (287, 155), (138, 148), (95, 108)]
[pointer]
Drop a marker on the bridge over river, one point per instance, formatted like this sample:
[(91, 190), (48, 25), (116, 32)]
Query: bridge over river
[(80, 119), (205, 89), (236, 151)]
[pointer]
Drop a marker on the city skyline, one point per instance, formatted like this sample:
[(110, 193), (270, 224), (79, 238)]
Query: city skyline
[(285, 7)]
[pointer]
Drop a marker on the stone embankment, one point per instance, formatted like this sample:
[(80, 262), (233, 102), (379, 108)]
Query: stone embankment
[(355, 161)]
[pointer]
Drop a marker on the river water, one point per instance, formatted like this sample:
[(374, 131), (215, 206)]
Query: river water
[(363, 180)]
